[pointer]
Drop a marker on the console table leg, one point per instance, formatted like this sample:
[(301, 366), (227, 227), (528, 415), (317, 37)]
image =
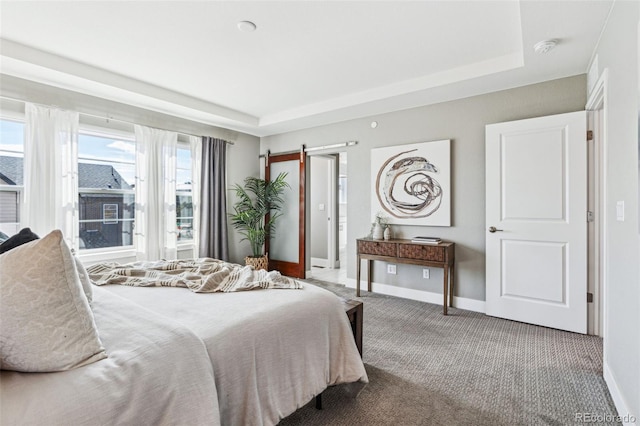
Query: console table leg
[(369, 262), (358, 277), (445, 290), (451, 282)]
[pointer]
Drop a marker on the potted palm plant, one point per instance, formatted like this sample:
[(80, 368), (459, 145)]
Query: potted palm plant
[(255, 213)]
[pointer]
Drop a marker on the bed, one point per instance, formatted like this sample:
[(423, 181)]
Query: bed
[(272, 351), (156, 372), (178, 357)]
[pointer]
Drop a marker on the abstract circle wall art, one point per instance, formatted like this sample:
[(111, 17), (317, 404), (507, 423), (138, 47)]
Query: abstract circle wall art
[(411, 183)]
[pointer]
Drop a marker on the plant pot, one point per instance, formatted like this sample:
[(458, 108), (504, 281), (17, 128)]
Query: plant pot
[(260, 262)]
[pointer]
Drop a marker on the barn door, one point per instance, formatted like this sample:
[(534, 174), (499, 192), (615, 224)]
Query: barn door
[(286, 245)]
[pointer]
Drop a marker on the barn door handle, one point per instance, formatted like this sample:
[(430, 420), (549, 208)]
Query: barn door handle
[(493, 229)]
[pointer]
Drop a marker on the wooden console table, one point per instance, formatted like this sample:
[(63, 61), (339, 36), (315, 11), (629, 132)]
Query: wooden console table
[(404, 251)]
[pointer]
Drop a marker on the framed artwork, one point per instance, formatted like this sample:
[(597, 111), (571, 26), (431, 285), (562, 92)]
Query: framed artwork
[(411, 184)]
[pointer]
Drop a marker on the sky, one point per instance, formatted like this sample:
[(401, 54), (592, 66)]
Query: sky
[(11, 136)]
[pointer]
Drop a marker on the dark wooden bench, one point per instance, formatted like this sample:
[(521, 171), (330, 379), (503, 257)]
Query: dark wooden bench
[(354, 311)]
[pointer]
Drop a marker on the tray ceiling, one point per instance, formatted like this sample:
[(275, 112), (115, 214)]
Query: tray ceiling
[(308, 63)]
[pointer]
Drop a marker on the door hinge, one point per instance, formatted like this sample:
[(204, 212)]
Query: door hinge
[(590, 217), (589, 135), (589, 297)]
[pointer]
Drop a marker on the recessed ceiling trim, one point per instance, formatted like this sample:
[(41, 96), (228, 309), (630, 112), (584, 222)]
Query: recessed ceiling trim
[(454, 75), (27, 62)]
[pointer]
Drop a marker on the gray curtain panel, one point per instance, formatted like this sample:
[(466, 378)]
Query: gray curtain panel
[(213, 212)]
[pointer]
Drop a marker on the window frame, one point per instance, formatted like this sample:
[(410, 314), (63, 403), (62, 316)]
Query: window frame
[(186, 244), (18, 189), (114, 252), (94, 128)]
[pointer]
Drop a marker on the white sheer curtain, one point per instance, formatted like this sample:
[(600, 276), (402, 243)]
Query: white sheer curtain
[(155, 193), (51, 171), (196, 178)]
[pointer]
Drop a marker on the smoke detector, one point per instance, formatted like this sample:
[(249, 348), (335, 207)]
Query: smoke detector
[(545, 45)]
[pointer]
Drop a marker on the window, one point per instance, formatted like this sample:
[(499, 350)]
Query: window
[(106, 180), (184, 200), (11, 175)]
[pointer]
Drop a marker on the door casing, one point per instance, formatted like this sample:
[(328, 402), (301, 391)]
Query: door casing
[(597, 122)]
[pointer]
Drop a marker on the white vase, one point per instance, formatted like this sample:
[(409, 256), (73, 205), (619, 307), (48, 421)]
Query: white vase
[(387, 233), (378, 232)]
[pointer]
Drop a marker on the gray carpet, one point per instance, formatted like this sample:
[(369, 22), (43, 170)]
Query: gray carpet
[(464, 369)]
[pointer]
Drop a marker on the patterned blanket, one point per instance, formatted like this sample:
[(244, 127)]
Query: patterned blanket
[(203, 275)]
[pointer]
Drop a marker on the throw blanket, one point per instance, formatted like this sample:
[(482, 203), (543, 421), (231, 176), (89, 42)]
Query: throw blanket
[(204, 275)]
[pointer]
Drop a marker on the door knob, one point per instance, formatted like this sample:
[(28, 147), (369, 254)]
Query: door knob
[(493, 229)]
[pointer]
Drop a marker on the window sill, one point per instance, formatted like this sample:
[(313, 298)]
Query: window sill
[(101, 255)]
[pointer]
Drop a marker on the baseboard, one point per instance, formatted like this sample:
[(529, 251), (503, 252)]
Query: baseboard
[(422, 296), (624, 413), (319, 261)]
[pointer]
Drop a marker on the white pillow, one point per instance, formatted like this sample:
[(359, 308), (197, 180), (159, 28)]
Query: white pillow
[(84, 279), (46, 323)]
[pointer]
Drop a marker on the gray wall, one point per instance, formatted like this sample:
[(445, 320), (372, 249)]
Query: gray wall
[(242, 161), (463, 121), (618, 52), (245, 146)]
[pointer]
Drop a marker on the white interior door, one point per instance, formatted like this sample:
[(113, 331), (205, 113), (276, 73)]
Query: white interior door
[(536, 219)]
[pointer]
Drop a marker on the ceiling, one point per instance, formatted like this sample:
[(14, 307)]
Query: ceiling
[(308, 63)]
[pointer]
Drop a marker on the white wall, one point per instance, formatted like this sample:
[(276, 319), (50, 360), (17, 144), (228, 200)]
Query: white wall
[(618, 52), (463, 121)]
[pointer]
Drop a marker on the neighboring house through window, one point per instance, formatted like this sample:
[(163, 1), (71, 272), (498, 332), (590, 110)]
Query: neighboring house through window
[(184, 200), (11, 175), (106, 179), (106, 187)]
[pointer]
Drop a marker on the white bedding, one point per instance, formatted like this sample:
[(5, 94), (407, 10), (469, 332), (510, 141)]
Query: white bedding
[(157, 373), (272, 351)]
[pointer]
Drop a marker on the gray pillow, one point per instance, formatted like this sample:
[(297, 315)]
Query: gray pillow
[(24, 236)]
